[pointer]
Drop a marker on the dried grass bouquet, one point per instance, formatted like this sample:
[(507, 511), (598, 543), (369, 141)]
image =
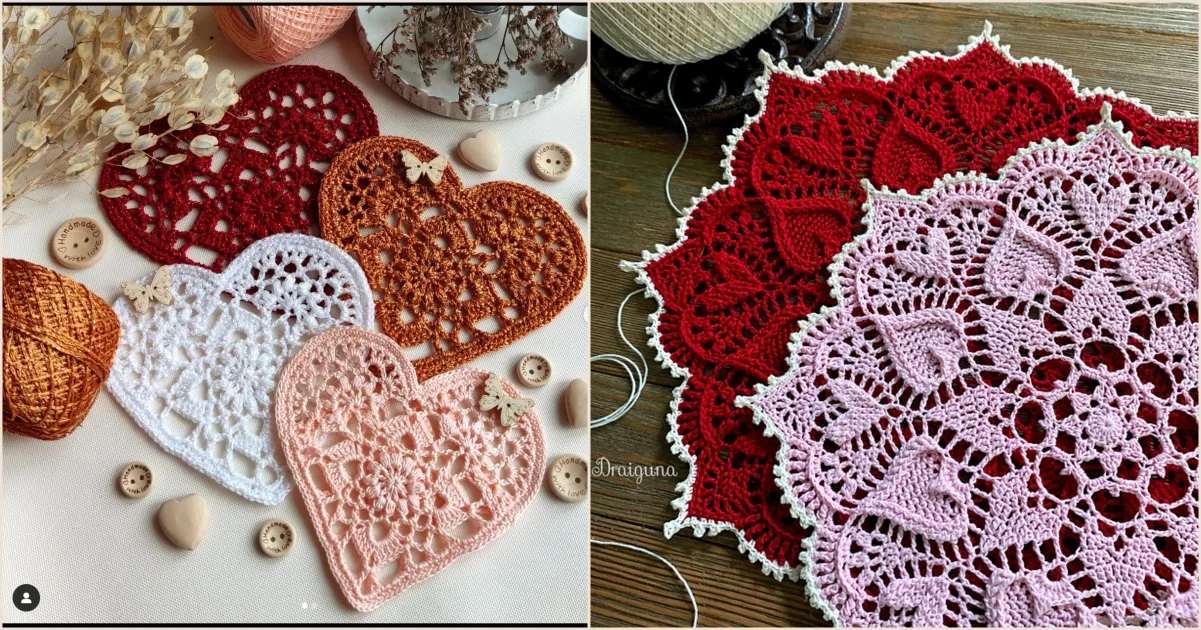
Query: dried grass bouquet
[(125, 69), (443, 32)]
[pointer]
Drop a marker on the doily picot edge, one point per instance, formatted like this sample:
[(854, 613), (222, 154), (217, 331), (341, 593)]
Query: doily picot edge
[(701, 526), (796, 340)]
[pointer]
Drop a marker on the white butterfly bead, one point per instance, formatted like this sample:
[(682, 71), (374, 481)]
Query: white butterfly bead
[(415, 168)]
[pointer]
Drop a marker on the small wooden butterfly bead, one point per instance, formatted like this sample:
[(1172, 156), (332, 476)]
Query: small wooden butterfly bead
[(415, 168), (158, 289), (495, 398)]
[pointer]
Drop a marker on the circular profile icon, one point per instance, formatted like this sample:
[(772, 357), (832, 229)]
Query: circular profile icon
[(26, 597)]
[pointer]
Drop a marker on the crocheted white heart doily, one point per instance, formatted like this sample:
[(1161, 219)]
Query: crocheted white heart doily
[(199, 374)]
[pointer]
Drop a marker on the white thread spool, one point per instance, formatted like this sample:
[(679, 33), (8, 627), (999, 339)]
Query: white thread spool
[(677, 33)]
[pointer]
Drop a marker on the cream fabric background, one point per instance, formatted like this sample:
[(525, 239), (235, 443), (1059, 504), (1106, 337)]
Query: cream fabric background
[(97, 556)]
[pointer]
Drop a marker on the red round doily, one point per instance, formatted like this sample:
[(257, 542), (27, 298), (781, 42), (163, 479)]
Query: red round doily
[(282, 134), (754, 256)]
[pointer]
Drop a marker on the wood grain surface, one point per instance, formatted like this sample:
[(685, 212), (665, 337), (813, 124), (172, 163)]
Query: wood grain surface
[(1148, 51)]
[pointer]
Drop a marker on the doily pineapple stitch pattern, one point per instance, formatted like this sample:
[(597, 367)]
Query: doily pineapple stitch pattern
[(199, 374), (752, 253), (400, 479), (457, 272), (996, 424), (277, 140)]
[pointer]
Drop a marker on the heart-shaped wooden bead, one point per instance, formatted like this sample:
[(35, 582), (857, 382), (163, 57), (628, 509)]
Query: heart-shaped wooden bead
[(399, 478), (273, 144), (457, 272), (481, 151), (184, 522)]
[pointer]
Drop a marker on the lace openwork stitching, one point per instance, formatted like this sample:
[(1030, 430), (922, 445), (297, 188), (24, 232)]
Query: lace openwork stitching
[(458, 272), (752, 253), (997, 422), (199, 374), (400, 479), (277, 140)]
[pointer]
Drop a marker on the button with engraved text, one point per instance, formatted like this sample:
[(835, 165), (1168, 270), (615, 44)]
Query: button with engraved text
[(275, 538), (551, 161), (533, 370), (569, 478), (136, 479), (79, 243)]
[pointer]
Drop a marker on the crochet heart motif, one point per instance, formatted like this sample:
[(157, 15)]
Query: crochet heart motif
[(458, 272), (198, 374), (399, 478), (288, 125), (1013, 442), (753, 252)]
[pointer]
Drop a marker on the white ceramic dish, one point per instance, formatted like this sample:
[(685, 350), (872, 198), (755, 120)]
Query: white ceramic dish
[(524, 94)]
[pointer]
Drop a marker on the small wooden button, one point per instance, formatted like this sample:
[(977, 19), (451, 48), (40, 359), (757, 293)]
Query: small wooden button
[(275, 538), (79, 243), (551, 161), (584, 203), (569, 478), (136, 480), (575, 401), (533, 370)]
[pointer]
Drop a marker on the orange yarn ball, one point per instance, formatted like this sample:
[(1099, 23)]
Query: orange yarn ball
[(277, 34), (59, 342)]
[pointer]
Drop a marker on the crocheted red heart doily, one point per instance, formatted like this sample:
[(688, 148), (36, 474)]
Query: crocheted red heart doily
[(752, 254), (286, 128)]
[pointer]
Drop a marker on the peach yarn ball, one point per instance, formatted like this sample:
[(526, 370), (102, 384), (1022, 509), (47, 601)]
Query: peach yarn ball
[(278, 34), (59, 342)]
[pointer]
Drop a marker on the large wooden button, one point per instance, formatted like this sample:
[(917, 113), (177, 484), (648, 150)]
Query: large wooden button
[(551, 161), (533, 370), (136, 480), (575, 402), (79, 243), (569, 478), (275, 538)]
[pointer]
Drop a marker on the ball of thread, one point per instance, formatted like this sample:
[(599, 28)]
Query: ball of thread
[(278, 34), (59, 342), (677, 33)]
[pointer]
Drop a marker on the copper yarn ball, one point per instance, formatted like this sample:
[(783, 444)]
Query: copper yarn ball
[(59, 342)]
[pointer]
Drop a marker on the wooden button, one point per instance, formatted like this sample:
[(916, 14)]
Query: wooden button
[(79, 243), (275, 538), (551, 161), (575, 401), (481, 151), (569, 478), (136, 480), (584, 203), (533, 370)]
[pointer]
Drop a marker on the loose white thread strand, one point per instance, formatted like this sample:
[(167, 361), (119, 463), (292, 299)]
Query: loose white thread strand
[(671, 97), (636, 375), (691, 597)]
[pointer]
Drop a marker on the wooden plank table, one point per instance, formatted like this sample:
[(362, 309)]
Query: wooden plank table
[(1149, 51)]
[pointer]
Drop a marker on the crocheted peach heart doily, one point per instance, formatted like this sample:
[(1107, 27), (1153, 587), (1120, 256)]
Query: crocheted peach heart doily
[(274, 143), (457, 272), (400, 479)]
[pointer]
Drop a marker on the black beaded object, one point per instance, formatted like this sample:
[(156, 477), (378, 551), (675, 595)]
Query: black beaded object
[(721, 89)]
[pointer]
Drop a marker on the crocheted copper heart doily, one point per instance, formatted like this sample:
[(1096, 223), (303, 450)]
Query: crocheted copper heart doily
[(288, 125), (457, 272)]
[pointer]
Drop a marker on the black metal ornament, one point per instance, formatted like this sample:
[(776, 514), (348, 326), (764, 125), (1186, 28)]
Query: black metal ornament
[(721, 89)]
